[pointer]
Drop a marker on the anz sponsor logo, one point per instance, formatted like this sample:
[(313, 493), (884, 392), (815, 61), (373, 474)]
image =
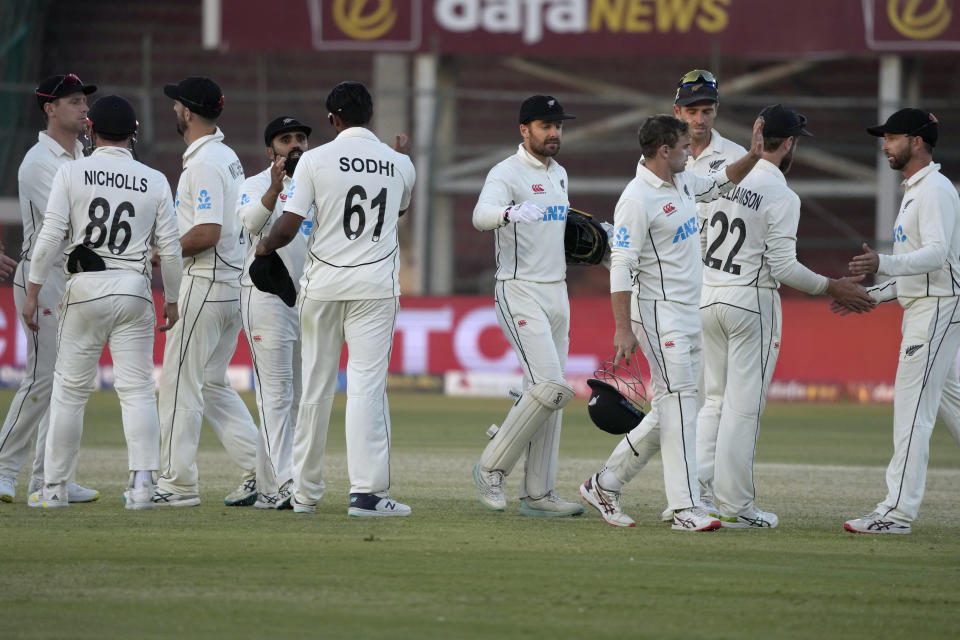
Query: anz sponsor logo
[(555, 212), (176, 203), (244, 199), (899, 235), (622, 239), (203, 200), (306, 227), (686, 230)]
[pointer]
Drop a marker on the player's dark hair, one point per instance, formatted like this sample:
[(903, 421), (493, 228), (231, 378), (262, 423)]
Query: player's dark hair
[(771, 144), (114, 137), (660, 130), (352, 103)]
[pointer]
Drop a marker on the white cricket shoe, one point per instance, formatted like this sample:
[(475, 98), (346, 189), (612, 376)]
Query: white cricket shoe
[(36, 483), (876, 523), (755, 520), (302, 507), (138, 499), (163, 498), (245, 494), (278, 500), (490, 488), (694, 519), (8, 488), (667, 515), (366, 505), (606, 502), (76, 493), (52, 496), (549, 506)]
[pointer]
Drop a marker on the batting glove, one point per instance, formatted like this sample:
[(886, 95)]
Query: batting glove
[(524, 213)]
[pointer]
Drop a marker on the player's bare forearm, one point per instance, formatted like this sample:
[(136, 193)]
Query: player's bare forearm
[(199, 239), (281, 234), (29, 311), (624, 342), (269, 199), (737, 171), (7, 266)]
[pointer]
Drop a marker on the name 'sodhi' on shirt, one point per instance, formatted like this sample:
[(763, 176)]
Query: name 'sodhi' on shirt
[(367, 165)]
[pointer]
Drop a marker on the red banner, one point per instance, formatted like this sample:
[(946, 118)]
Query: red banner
[(435, 335), (596, 27)]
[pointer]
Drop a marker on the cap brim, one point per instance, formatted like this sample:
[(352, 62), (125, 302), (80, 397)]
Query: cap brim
[(550, 118), (294, 127), (804, 132), (172, 91), (89, 88), (878, 130)]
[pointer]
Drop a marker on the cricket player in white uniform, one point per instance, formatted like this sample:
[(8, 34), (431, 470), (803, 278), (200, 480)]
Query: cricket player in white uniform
[(113, 210), (926, 264), (63, 100), (656, 254), (271, 326), (193, 382), (348, 293), (524, 200), (697, 102), (751, 239)]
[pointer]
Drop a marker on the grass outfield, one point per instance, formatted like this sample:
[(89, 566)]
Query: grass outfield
[(455, 570)]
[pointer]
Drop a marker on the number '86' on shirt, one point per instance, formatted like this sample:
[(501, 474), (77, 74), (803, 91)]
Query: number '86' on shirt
[(359, 187)]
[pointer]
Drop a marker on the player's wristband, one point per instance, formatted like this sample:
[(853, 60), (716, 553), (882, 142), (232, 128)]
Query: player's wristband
[(506, 216)]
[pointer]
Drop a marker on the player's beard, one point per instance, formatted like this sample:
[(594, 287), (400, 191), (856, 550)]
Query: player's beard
[(899, 160), (181, 124), (293, 157), (542, 149), (787, 161)]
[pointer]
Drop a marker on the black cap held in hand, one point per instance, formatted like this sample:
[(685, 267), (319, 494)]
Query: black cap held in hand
[(545, 108), (201, 95), (113, 115), (283, 124), (270, 275), (912, 122), (780, 122)]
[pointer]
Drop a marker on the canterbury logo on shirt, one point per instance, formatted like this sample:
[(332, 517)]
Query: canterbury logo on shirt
[(686, 230)]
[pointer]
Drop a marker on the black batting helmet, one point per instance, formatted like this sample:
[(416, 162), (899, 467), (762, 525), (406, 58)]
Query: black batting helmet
[(617, 397)]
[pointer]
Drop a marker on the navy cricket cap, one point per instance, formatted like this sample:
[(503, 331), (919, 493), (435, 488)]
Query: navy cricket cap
[(912, 122), (201, 95), (55, 87), (697, 86), (545, 108), (283, 124), (780, 122), (270, 275), (113, 115)]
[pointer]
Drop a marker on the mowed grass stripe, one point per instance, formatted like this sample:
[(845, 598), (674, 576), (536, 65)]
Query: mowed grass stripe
[(455, 570)]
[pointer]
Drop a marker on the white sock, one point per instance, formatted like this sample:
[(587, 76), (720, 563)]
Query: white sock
[(142, 479), (607, 480)]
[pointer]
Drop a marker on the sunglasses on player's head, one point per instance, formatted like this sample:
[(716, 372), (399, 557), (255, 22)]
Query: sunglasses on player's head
[(698, 75), (71, 79)]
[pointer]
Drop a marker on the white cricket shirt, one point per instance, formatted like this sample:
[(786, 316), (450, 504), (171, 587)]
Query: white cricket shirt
[(39, 166), (359, 186), (209, 188), (526, 251), (656, 242), (116, 207), (752, 236), (926, 238), (716, 156), (258, 220)]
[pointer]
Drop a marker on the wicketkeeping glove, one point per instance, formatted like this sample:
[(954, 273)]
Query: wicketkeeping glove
[(525, 212)]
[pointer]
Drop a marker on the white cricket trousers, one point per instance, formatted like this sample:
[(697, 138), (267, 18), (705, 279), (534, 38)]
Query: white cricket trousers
[(367, 328), (928, 355), (28, 413), (112, 307), (194, 385), (535, 318), (273, 333), (669, 337), (741, 342)]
